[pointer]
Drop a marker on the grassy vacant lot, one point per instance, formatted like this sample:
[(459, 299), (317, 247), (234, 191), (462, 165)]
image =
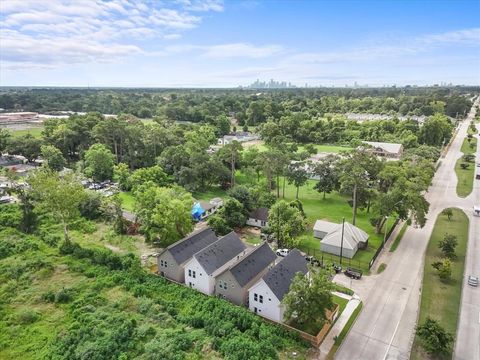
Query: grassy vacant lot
[(333, 208), (466, 177), (441, 299), (34, 131), (326, 148)]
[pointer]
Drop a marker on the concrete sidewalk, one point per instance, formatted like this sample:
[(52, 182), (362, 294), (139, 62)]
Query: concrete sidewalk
[(329, 341)]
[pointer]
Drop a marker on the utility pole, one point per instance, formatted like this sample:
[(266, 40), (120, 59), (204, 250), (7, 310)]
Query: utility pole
[(354, 203), (386, 228), (341, 242)]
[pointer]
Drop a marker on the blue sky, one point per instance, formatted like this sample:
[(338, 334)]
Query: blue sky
[(214, 43)]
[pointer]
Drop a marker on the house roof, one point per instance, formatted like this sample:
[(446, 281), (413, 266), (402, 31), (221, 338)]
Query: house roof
[(184, 249), (281, 275), (351, 237), (259, 214), (388, 147), (220, 252), (252, 264), (324, 226), (206, 205)]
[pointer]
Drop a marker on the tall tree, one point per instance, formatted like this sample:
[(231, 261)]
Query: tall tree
[(57, 196), (99, 162), (327, 173), (286, 222), (231, 153), (309, 297), (163, 212), (297, 175), (53, 157)]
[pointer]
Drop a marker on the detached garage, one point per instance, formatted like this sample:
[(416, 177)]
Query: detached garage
[(353, 239)]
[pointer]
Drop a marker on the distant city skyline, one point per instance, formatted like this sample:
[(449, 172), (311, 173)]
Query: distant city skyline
[(214, 43)]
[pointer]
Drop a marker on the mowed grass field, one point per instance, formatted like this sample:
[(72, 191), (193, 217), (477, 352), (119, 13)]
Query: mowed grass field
[(34, 131), (441, 299), (466, 177)]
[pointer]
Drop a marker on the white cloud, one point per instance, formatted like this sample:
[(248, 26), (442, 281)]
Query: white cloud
[(69, 32), (225, 51)]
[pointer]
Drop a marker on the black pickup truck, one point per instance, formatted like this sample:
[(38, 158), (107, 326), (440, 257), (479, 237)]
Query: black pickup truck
[(353, 273)]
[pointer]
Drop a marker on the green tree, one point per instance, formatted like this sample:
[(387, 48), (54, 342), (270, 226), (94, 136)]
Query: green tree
[(4, 138), (163, 212), (327, 175), (154, 174), (434, 338), (286, 222), (448, 212), (309, 297), (121, 174), (219, 224), (53, 157), (297, 175), (243, 195), (444, 268), (57, 196), (231, 154), (447, 245), (99, 162), (222, 125), (233, 213), (25, 145), (436, 130)]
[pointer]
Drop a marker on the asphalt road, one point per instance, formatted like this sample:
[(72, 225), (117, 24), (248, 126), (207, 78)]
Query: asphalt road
[(385, 327)]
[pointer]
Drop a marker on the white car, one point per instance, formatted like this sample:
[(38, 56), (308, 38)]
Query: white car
[(472, 280), (282, 252)]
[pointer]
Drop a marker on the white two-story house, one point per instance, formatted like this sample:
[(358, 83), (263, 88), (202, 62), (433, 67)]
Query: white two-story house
[(265, 296), (202, 269)]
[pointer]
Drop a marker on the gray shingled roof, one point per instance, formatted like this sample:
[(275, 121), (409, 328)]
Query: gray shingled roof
[(253, 264), (184, 249), (281, 275), (220, 252), (259, 214)]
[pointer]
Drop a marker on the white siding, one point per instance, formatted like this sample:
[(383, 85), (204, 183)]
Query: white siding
[(335, 250), (256, 222), (201, 282), (271, 307)]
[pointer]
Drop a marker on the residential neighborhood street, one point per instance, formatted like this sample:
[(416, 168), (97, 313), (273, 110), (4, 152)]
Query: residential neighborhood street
[(385, 327)]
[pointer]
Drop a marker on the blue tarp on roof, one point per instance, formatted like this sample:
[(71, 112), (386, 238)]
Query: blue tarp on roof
[(197, 211)]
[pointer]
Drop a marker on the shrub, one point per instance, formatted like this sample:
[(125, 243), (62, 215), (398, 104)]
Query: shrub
[(27, 316), (434, 338), (64, 296)]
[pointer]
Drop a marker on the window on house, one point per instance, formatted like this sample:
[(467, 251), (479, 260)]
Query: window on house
[(260, 299), (225, 285), (255, 297), (263, 223), (189, 272), (161, 262), (165, 264), (193, 274)]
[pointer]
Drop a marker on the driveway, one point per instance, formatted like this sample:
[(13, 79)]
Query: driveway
[(386, 325)]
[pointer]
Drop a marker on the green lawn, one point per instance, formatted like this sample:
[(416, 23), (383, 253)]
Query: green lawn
[(469, 147), (399, 237), (466, 177), (333, 208), (441, 299), (312, 327), (34, 131)]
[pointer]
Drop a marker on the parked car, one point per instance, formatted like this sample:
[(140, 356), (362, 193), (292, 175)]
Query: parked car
[(353, 273), (472, 280), (282, 252), (315, 262), (477, 177)]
